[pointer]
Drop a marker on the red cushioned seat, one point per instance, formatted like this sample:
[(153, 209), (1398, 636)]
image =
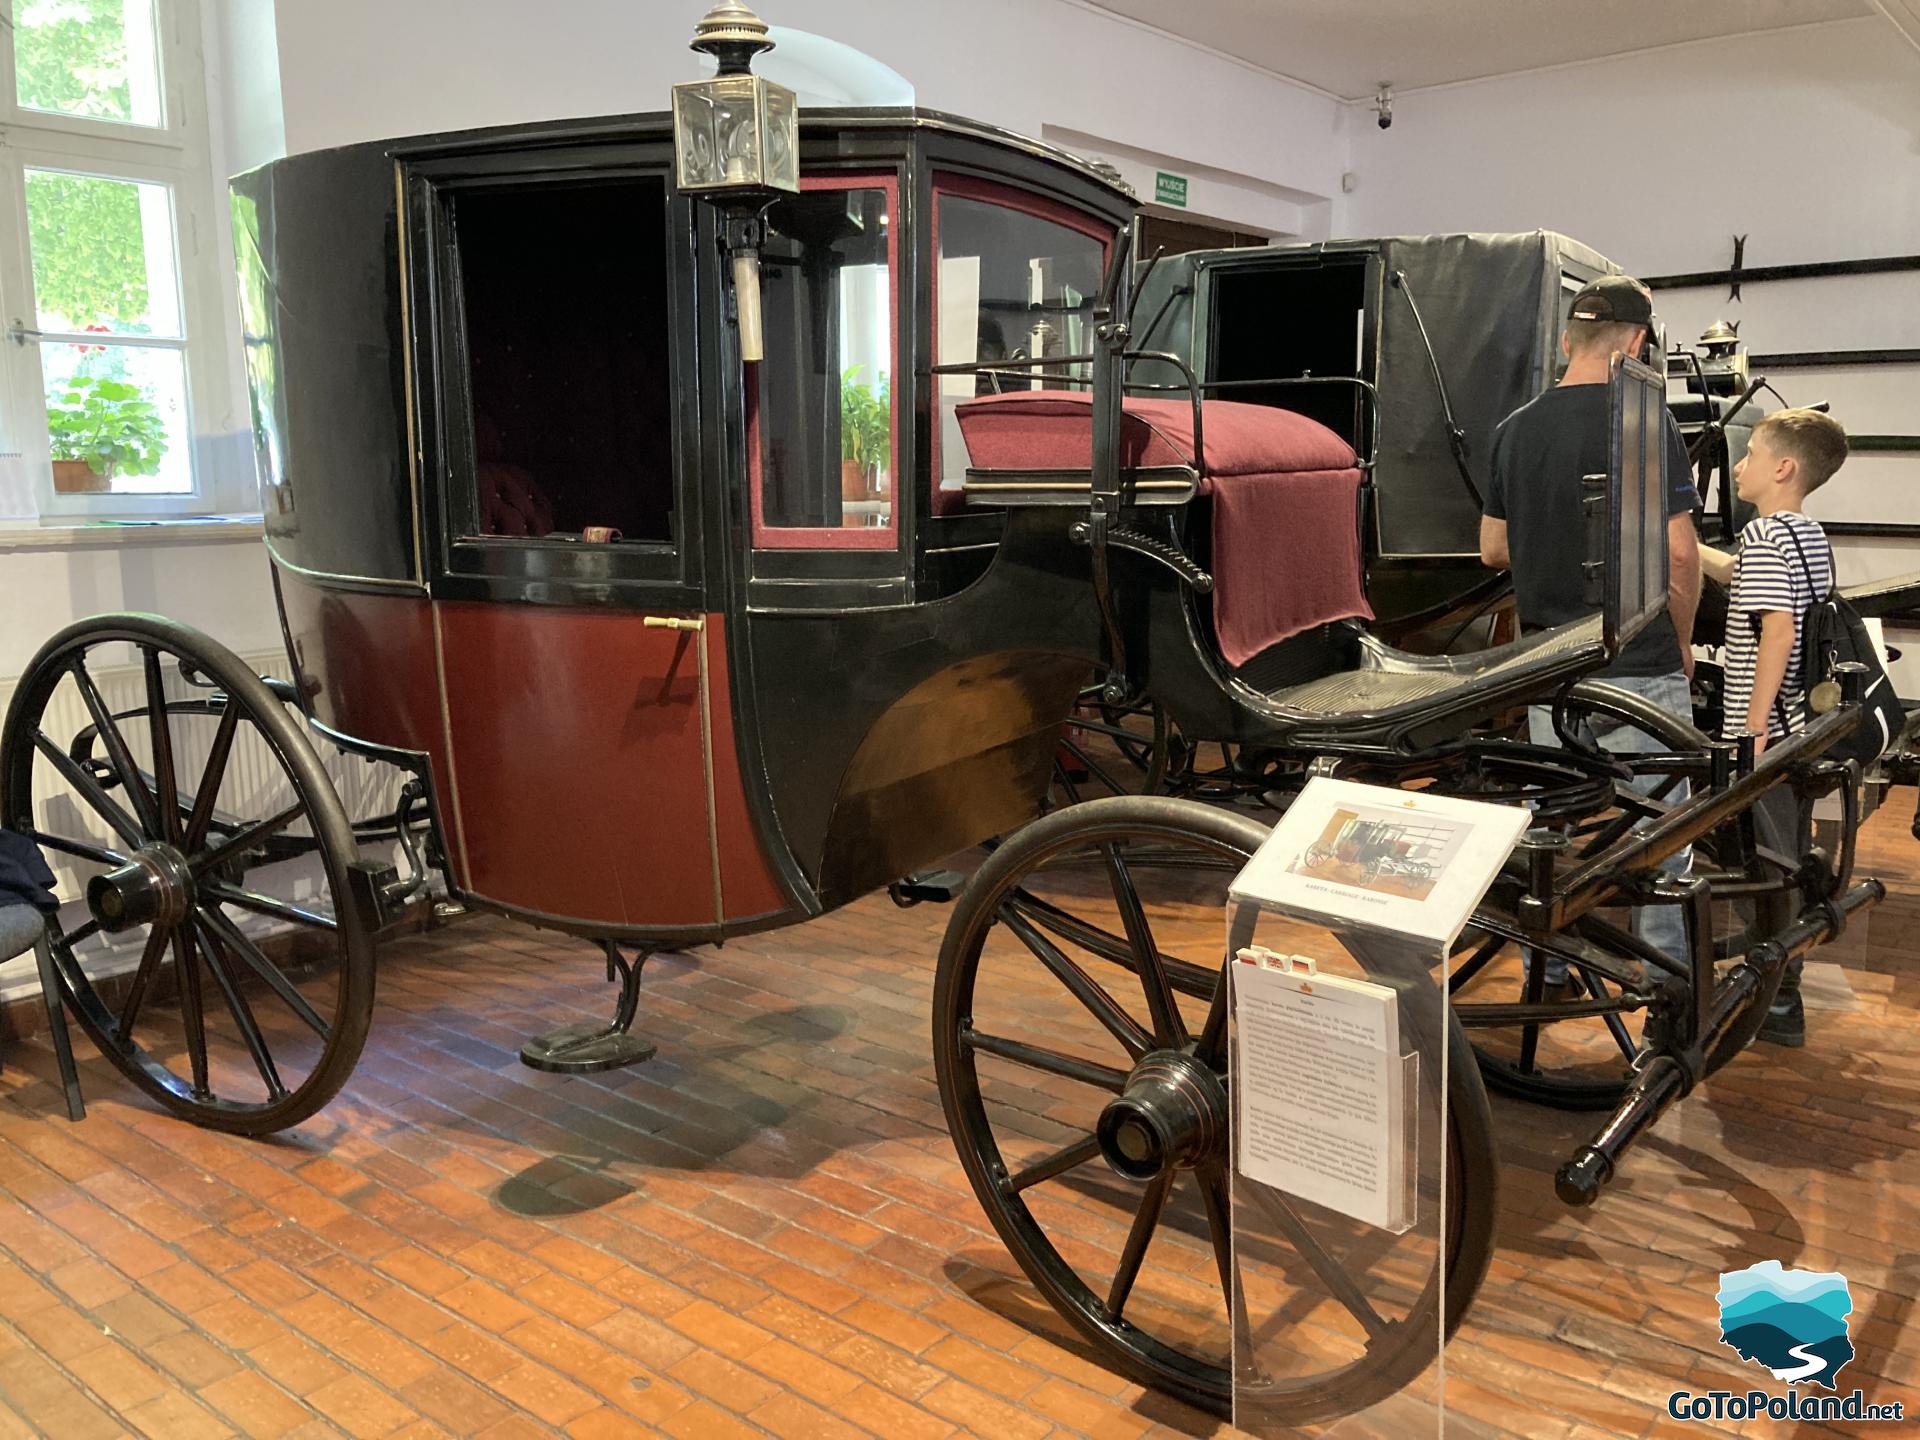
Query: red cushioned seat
[(1287, 550), (1053, 430)]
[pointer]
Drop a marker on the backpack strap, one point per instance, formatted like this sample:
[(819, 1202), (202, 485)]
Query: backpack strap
[(1833, 575)]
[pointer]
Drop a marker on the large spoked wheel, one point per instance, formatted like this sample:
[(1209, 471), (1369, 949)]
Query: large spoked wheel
[(1575, 1049), (187, 803), (1061, 997), (1572, 1044)]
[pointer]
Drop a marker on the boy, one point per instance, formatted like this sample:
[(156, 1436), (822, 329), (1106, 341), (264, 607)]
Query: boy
[(1784, 564)]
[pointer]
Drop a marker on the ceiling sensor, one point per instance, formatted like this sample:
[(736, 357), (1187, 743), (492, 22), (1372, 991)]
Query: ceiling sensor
[(1383, 105)]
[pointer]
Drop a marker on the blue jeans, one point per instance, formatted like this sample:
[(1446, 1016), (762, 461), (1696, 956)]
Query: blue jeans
[(1664, 927)]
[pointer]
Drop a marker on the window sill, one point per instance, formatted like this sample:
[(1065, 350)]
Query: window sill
[(87, 535)]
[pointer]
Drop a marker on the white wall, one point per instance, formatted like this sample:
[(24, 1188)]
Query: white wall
[(219, 586), (1806, 141), (243, 78), (366, 69)]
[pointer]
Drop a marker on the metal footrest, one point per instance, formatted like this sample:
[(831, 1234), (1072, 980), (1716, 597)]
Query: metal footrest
[(584, 1048)]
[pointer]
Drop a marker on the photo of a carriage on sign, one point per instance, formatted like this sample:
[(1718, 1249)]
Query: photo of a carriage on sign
[(1380, 851), (633, 653)]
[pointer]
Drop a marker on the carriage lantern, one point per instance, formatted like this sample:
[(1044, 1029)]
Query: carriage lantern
[(736, 140)]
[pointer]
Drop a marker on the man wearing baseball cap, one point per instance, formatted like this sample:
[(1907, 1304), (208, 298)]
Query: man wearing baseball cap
[(1534, 526)]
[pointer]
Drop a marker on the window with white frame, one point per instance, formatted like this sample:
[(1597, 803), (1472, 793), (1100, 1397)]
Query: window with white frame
[(117, 388)]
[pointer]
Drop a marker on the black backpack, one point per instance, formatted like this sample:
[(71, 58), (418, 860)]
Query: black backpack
[(1831, 634)]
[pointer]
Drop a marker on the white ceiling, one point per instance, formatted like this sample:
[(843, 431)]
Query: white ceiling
[(1350, 46)]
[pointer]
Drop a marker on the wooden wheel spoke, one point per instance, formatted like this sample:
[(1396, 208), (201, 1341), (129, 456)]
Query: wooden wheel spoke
[(1211, 1047), (238, 944), (1096, 769), (1533, 992), (1331, 1272), (1069, 1157), (1169, 1029), (210, 778), (1036, 1057), (118, 755), (1145, 1221), (1616, 1027), (1066, 782), (268, 905), (76, 848), (166, 783), (1186, 977), (1214, 1197), (1083, 987), (246, 837), (1464, 972), (242, 1013), (186, 960), (83, 782), (142, 977), (83, 931)]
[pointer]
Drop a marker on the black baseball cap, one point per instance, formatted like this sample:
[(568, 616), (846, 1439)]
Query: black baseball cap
[(1616, 299)]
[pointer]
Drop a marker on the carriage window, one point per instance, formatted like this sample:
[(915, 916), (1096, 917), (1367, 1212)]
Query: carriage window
[(824, 415), (563, 295), (1012, 285)]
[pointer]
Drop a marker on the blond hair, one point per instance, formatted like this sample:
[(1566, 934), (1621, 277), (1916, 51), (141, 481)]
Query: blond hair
[(1815, 440)]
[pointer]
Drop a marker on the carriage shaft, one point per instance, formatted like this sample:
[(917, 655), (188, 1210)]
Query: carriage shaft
[(1668, 1076)]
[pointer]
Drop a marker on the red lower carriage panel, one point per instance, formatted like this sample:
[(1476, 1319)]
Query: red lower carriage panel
[(581, 769), (578, 763)]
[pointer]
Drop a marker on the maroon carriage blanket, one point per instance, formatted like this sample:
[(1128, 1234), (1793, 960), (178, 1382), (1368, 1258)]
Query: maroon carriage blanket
[(1286, 528)]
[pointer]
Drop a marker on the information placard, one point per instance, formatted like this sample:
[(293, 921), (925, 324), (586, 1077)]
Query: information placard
[(1322, 1088), (1399, 861)]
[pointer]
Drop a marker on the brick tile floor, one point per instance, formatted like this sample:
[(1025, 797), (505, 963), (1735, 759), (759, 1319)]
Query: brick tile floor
[(766, 1231)]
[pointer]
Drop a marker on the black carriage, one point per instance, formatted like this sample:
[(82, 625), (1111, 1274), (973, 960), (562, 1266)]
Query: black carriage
[(768, 579)]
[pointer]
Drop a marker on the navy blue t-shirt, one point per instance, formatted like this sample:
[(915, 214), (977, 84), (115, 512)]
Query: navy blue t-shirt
[(1539, 454)]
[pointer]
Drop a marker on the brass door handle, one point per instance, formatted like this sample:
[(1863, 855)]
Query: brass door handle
[(673, 622)]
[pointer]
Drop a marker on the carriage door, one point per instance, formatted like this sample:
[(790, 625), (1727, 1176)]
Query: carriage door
[(575, 648)]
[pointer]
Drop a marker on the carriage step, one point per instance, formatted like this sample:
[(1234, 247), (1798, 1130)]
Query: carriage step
[(941, 885), (585, 1048)]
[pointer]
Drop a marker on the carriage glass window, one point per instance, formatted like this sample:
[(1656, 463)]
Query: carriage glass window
[(823, 416), (563, 300), (1016, 281)]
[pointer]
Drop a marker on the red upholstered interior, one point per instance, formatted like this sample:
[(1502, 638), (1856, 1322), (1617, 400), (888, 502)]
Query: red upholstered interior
[(1053, 430), (1286, 525)]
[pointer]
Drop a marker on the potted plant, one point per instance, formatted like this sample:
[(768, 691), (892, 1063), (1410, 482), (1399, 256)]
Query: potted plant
[(866, 435), (99, 427)]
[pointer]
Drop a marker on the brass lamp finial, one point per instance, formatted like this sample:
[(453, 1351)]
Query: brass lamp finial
[(733, 35)]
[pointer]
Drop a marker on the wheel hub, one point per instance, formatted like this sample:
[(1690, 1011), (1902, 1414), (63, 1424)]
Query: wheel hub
[(1172, 1113), (155, 886)]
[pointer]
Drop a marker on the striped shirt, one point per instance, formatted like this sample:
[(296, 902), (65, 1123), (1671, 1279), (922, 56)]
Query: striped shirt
[(1771, 573)]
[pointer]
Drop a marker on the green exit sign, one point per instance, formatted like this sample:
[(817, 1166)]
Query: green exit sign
[(1170, 189)]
